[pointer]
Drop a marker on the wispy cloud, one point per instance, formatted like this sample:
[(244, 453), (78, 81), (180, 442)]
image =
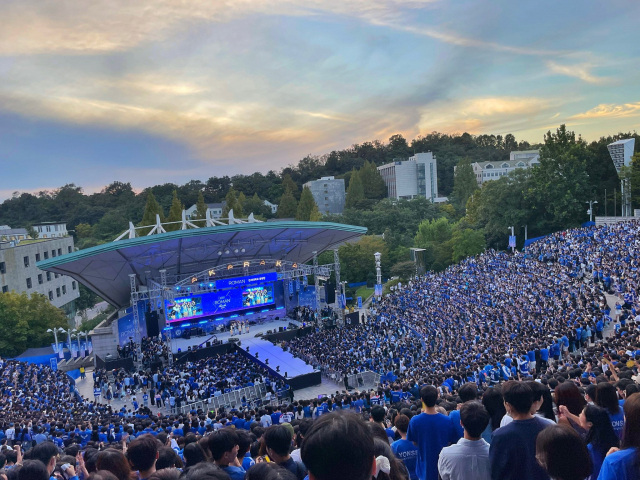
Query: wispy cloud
[(611, 110), (581, 71)]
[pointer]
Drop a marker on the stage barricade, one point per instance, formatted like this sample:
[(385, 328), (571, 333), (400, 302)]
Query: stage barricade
[(228, 400)]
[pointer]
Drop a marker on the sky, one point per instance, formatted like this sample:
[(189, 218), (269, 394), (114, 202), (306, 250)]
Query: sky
[(157, 91)]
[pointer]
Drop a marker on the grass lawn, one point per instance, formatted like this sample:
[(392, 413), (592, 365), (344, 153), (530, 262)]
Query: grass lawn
[(363, 292)]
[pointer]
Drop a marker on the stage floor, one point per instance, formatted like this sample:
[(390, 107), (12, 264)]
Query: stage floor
[(183, 344), (288, 364)]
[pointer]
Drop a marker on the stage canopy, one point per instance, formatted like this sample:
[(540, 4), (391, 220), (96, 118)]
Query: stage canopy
[(105, 269)]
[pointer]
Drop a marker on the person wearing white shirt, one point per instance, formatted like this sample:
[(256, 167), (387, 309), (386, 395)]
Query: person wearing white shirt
[(469, 458)]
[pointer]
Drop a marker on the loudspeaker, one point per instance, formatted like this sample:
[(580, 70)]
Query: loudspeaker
[(187, 333), (277, 318), (258, 334), (151, 319), (330, 292), (208, 344), (281, 329)]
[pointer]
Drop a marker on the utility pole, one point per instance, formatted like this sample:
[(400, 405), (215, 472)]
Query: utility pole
[(512, 240), (590, 211)]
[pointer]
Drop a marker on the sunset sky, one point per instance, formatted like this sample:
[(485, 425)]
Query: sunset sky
[(160, 91)]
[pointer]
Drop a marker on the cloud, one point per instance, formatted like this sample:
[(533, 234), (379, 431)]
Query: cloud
[(611, 110), (486, 114), (581, 71)]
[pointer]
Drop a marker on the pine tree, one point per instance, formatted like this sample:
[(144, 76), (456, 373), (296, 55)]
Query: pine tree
[(288, 206), (175, 213), (238, 211), (231, 200), (372, 182), (355, 192), (305, 206), (201, 209), (315, 216), (151, 209), (290, 185)]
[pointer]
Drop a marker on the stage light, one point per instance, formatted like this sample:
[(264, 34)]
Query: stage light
[(179, 350), (177, 288), (235, 251), (202, 322), (242, 250), (202, 285), (227, 251), (233, 316), (219, 318), (186, 324), (219, 252), (210, 285)]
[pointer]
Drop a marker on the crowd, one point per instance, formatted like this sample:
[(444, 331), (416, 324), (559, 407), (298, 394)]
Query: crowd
[(503, 367)]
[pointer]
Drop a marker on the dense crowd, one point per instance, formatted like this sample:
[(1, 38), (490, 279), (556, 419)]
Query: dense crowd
[(503, 368)]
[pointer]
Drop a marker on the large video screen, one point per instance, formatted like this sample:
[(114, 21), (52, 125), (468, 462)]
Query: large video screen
[(254, 296), (183, 308), (214, 303)]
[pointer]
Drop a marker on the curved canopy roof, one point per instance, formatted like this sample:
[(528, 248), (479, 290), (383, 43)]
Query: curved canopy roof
[(105, 268)]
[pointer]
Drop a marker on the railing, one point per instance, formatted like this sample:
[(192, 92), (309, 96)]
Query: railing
[(230, 399), (356, 380)]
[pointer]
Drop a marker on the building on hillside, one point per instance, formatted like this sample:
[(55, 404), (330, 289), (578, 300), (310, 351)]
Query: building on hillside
[(215, 209), (411, 178), (51, 229), (9, 234), (486, 171), (621, 152), (271, 206), (18, 271), (329, 194)]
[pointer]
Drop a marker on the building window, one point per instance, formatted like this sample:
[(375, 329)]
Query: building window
[(48, 276), (37, 257), (40, 279), (29, 285), (53, 253), (5, 288), (3, 269), (50, 295), (69, 249), (58, 292), (59, 251), (56, 275), (64, 289), (26, 261), (46, 255), (73, 285), (505, 165)]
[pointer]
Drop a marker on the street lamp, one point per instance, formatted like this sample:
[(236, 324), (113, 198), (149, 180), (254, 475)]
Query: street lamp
[(55, 338), (590, 211)]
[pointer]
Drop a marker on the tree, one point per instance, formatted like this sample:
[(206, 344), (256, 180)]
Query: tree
[(238, 212), (355, 192), (467, 243), (255, 205), (405, 270), (306, 205), (201, 208), (435, 237), (288, 206), (32, 232), (357, 260), (464, 182), (315, 215), (175, 213), (151, 209), (289, 185), (87, 298), (231, 203), (83, 230), (24, 322), (372, 182)]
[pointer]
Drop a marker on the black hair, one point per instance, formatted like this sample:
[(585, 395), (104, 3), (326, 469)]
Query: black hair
[(338, 446), (494, 403), (33, 470), (519, 395), (268, 471), (377, 413), (166, 458), (468, 392), (601, 434), (429, 395), (474, 418), (607, 398), (278, 438), (44, 452), (142, 452), (193, 454), (206, 471), (222, 442), (563, 454), (244, 442)]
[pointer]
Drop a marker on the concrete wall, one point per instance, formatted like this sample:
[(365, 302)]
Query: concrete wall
[(105, 340), (15, 279), (328, 194)]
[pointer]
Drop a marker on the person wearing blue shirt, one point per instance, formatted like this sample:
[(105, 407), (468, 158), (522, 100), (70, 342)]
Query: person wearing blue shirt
[(599, 328), (403, 449), (224, 451), (467, 393), (430, 432)]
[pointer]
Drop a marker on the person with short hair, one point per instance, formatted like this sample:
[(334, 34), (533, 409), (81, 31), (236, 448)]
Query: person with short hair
[(513, 447), (224, 450), (467, 393), (33, 470), (430, 431), (277, 440), (142, 453), (207, 471), (403, 449), (469, 458), (339, 446)]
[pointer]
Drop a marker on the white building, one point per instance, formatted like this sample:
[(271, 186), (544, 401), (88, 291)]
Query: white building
[(271, 206), (486, 171), (9, 234), (621, 152), (415, 177), (51, 229), (215, 209)]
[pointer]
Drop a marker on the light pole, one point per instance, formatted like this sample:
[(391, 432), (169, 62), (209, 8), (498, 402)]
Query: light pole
[(55, 338), (590, 211), (512, 244), (377, 256)]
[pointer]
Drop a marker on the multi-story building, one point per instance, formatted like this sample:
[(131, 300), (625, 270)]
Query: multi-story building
[(215, 209), (486, 171), (19, 273), (9, 234), (51, 229), (329, 194), (415, 177)]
